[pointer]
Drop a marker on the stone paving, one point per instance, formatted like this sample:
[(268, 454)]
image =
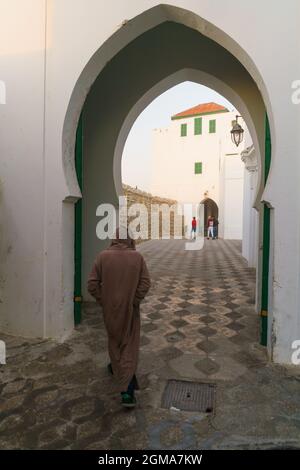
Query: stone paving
[(198, 323)]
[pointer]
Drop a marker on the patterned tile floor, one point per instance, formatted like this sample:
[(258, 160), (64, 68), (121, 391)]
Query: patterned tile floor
[(198, 323)]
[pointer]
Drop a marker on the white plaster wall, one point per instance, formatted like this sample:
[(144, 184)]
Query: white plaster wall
[(172, 168), (74, 32)]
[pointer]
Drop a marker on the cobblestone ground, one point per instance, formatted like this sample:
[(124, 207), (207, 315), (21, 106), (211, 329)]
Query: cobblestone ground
[(198, 323)]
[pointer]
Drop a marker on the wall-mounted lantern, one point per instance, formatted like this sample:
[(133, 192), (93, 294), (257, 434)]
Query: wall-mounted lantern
[(237, 132)]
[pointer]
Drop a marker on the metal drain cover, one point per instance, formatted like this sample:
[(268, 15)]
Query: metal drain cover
[(189, 396)]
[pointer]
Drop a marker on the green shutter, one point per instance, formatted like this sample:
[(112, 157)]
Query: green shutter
[(212, 126), (198, 168), (198, 126), (183, 129)]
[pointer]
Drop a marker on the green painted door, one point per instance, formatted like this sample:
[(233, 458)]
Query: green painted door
[(78, 226), (266, 245)]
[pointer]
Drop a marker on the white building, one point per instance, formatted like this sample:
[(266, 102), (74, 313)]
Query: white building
[(195, 161), (106, 61)]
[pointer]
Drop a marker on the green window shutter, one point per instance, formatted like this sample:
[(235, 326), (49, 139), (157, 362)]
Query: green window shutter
[(212, 126), (198, 168), (198, 126), (183, 129)]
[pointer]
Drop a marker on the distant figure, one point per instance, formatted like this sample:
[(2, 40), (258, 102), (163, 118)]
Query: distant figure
[(119, 281), (216, 227), (210, 227), (194, 227)]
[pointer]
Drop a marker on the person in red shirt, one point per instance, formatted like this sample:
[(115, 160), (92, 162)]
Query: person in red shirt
[(194, 226)]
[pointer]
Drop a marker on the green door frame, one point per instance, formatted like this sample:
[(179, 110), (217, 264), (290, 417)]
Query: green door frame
[(266, 245), (78, 227)]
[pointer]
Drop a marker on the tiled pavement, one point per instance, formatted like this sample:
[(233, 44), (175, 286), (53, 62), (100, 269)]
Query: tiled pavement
[(198, 323)]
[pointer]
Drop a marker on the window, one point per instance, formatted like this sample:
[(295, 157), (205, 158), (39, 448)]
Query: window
[(198, 126), (198, 168), (183, 130), (212, 126)]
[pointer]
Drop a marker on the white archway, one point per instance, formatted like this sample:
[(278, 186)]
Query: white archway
[(240, 82)]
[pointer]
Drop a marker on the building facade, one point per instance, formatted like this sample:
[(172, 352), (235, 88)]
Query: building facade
[(195, 161)]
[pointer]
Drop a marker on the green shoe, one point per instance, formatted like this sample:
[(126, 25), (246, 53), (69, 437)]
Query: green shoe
[(128, 401)]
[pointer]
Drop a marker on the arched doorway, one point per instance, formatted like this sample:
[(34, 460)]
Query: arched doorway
[(118, 95), (210, 209)]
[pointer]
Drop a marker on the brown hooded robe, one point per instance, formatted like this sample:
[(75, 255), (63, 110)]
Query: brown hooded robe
[(119, 281)]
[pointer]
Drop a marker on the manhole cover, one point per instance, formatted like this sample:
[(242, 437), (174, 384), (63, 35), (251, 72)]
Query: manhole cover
[(189, 396)]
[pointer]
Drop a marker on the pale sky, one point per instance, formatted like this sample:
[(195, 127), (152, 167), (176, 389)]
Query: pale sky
[(137, 150)]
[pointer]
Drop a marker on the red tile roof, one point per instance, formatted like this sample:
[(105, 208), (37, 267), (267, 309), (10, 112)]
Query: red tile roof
[(204, 108)]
